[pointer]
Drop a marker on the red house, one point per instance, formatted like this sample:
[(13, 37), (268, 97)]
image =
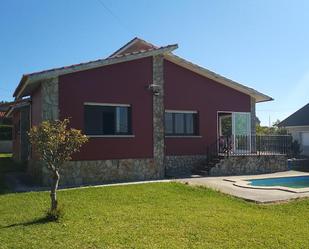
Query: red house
[(148, 113)]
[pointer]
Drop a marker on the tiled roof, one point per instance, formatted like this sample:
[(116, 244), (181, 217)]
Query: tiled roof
[(134, 49), (135, 44), (89, 62), (25, 76)]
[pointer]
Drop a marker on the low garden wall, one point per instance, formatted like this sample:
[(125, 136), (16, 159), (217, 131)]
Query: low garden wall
[(182, 165), (301, 164), (76, 173), (250, 165)]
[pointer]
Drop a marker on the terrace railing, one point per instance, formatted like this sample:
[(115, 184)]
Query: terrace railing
[(254, 145)]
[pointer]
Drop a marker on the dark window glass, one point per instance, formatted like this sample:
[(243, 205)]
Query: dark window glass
[(107, 120), (122, 114), (168, 123), (181, 123), (93, 120), (189, 123)]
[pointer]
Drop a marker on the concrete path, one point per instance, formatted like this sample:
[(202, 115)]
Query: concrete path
[(226, 185)]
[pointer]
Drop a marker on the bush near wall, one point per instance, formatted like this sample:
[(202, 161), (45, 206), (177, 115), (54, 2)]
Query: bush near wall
[(5, 132)]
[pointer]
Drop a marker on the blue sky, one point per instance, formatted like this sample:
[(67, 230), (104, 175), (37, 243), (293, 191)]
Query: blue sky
[(261, 43)]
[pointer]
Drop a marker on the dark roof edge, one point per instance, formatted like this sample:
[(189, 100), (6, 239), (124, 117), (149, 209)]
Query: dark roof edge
[(284, 122)]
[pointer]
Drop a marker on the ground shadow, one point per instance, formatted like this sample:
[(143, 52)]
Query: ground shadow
[(37, 221), (12, 176)]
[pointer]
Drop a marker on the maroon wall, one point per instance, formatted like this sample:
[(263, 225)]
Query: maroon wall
[(186, 90), (36, 107), (123, 83)]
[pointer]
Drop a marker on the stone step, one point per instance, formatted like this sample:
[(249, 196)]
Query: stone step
[(202, 172)]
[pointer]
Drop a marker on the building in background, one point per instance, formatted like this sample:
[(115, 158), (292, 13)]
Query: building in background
[(297, 125)]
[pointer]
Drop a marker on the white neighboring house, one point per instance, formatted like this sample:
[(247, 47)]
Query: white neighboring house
[(297, 125)]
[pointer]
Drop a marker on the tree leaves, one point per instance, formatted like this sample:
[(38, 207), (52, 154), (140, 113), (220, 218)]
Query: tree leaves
[(55, 142)]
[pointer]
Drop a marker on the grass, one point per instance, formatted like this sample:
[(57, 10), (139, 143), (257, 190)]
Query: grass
[(5, 155), (157, 215)]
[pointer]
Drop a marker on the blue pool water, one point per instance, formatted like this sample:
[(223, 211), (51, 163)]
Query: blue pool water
[(290, 182)]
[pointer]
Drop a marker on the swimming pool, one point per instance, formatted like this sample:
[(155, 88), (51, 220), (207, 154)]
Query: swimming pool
[(290, 182)]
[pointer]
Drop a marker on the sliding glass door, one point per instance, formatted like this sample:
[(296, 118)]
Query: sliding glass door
[(241, 130)]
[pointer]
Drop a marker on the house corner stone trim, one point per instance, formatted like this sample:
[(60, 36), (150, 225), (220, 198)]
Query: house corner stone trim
[(50, 99), (158, 114)]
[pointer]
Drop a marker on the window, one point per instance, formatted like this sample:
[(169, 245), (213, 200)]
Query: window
[(305, 138), (107, 119), (181, 123)]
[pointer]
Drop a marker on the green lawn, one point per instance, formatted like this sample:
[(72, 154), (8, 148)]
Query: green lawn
[(157, 215), (5, 155)]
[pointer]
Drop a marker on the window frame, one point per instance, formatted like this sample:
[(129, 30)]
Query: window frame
[(116, 134), (195, 115)]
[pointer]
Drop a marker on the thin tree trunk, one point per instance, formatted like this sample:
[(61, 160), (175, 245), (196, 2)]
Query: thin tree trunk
[(54, 187)]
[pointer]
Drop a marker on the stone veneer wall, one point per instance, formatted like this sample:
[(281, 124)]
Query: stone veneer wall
[(50, 99), (183, 165), (158, 114), (50, 111), (105, 171), (247, 165)]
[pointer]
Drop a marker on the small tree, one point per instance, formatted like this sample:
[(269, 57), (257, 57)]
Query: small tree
[(273, 130), (55, 143)]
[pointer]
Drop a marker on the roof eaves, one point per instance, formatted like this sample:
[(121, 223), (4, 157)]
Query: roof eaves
[(260, 97), (15, 104), (33, 77)]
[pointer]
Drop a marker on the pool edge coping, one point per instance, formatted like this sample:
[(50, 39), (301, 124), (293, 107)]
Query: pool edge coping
[(244, 183)]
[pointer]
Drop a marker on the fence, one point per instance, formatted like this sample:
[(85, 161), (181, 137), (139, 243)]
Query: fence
[(255, 145)]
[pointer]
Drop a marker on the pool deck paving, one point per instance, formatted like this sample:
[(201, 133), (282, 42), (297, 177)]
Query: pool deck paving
[(227, 185)]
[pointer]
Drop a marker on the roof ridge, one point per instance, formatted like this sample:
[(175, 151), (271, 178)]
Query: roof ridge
[(131, 43), (217, 77)]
